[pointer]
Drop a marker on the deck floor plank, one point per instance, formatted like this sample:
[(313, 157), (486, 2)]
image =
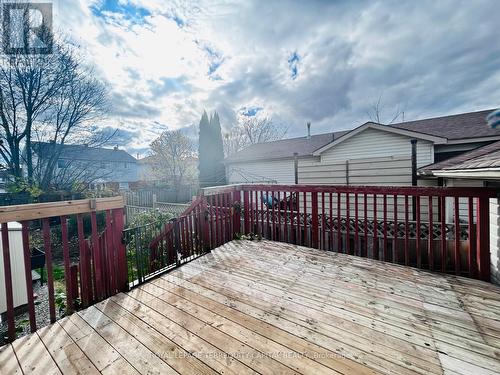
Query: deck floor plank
[(34, 357), (8, 361), (443, 346), (261, 307), (65, 352), (204, 350), (294, 342), (371, 297)]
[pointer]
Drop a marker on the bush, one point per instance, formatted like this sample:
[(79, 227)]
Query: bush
[(150, 217)]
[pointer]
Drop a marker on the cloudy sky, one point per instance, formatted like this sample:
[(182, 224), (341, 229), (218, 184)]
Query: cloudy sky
[(327, 62)]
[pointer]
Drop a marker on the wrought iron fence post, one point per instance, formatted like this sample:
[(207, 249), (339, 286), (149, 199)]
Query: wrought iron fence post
[(206, 216), (236, 213), (138, 257), (177, 241)]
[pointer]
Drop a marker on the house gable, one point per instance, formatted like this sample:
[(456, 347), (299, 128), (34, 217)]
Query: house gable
[(373, 142), (407, 134)]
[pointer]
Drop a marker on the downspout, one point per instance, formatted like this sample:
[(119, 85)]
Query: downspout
[(414, 175), (296, 167)]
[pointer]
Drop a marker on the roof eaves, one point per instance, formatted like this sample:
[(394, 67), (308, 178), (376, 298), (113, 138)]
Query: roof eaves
[(246, 160)]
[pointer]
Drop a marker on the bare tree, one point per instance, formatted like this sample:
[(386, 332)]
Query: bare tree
[(69, 120), (172, 158), (47, 98), (376, 114), (250, 130)]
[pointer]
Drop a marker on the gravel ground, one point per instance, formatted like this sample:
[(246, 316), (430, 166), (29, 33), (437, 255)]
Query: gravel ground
[(41, 312)]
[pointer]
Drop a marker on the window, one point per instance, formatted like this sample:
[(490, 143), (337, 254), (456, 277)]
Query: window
[(125, 165), (103, 165)]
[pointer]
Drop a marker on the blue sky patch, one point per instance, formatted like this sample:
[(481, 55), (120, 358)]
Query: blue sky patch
[(293, 61), (129, 11), (250, 111)]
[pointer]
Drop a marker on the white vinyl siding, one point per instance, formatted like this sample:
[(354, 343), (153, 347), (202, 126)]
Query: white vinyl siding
[(373, 143), (389, 171), (272, 171)]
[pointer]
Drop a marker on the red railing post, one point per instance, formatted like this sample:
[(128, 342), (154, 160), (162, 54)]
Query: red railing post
[(314, 218), (236, 213), (110, 253), (27, 273), (9, 296), (483, 238), (205, 225), (96, 257), (84, 270), (67, 266), (122, 279), (246, 209), (48, 261)]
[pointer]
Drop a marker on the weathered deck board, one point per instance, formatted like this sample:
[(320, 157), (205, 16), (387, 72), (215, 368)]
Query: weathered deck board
[(267, 307)]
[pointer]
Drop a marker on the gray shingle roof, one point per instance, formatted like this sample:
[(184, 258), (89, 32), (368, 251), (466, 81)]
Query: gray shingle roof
[(482, 157), (462, 126), (82, 152), (284, 148)]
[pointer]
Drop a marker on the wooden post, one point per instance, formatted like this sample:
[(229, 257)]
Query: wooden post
[(84, 271), (50, 275), (246, 211), (96, 257), (73, 276), (27, 273), (314, 217), (67, 272), (206, 225), (9, 296), (237, 213), (483, 238)]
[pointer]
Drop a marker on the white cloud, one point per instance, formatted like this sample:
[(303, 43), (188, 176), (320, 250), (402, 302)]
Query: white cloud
[(164, 68)]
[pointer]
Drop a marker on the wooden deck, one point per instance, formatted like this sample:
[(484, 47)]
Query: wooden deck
[(273, 308)]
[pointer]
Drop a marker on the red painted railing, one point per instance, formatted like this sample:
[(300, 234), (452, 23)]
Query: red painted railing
[(99, 268), (434, 228), (208, 222)]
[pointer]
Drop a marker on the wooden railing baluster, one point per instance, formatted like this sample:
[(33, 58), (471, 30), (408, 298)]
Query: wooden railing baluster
[(314, 219), (418, 232), (456, 217), (9, 296), (48, 261), (430, 239), (407, 232), (27, 273)]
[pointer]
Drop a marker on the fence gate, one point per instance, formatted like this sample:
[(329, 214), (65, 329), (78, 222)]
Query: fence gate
[(159, 246)]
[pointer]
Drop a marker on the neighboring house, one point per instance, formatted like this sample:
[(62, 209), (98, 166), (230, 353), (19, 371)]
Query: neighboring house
[(458, 150), (479, 167), (371, 154), (99, 167)]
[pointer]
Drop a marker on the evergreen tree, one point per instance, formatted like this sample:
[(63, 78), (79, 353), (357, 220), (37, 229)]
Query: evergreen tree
[(218, 150), (211, 152), (204, 162)]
